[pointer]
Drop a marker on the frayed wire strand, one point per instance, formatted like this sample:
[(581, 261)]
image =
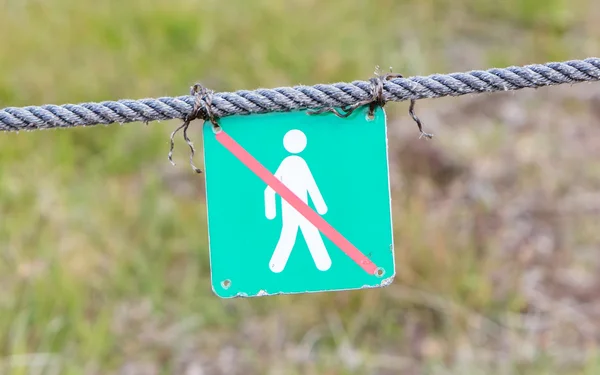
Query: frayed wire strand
[(192, 150), (411, 110), (185, 124)]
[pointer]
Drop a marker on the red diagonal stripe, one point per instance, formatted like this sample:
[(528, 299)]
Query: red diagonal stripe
[(315, 219)]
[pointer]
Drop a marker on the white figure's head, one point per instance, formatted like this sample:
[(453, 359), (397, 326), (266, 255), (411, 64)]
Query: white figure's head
[(294, 141)]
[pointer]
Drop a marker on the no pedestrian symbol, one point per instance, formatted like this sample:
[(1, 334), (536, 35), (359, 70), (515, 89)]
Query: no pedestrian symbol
[(298, 203)]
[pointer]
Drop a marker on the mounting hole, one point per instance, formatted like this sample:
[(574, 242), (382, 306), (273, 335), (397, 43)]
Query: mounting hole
[(369, 117), (226, 284), (379, 272)]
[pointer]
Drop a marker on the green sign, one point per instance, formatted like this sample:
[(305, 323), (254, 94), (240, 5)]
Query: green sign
[(298, 203)]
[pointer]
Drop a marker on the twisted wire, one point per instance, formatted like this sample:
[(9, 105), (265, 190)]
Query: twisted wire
[(283, 99)]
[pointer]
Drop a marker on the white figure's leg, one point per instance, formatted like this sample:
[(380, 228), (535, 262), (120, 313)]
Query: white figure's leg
[(316, 246), (284, 245)]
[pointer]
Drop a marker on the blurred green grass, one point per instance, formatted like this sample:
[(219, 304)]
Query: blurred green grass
[(103, 245)]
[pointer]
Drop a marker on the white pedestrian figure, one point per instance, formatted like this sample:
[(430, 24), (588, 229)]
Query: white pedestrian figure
[(295, 174)]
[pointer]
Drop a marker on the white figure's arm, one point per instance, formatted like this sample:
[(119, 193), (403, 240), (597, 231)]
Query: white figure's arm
[(270, 203), (270, 199), (315, 193)]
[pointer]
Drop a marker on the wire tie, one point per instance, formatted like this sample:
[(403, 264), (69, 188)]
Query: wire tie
[(377, 99), (202, 109)]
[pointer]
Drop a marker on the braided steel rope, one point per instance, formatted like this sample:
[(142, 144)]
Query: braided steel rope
[(285, 99)]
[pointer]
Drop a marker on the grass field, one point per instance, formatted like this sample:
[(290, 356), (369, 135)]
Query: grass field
[(104, 261)]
